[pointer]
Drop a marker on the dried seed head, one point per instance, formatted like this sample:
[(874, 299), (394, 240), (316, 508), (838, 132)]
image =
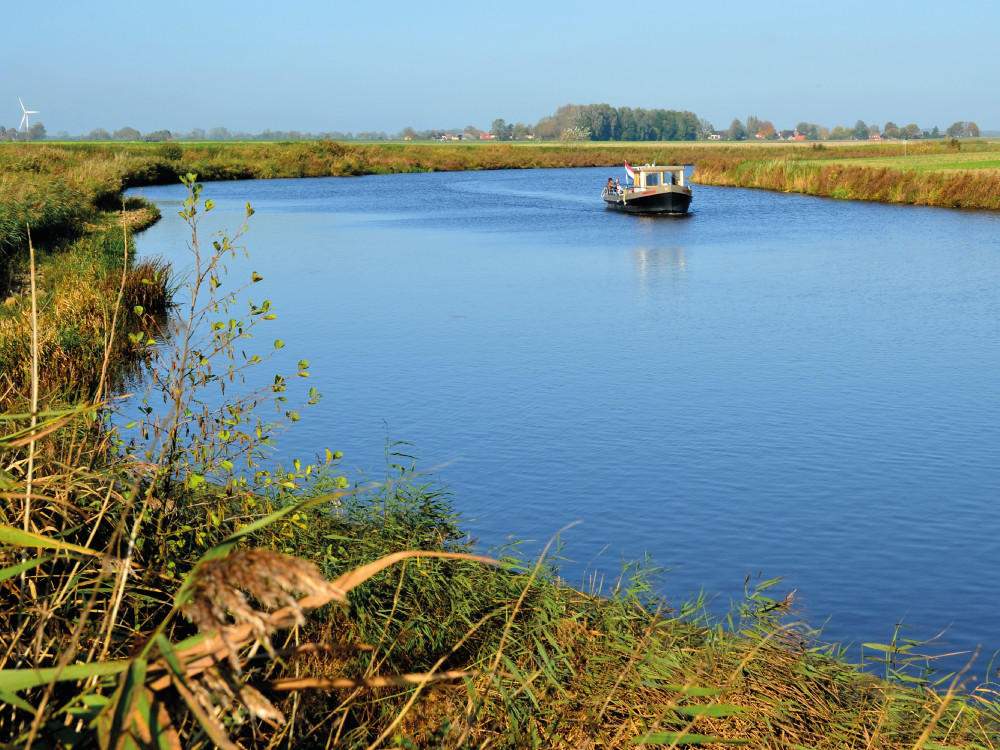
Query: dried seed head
[(219, 597)]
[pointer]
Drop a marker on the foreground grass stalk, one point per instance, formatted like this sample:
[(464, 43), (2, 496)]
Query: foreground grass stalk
[(29, 483), (105, 362)]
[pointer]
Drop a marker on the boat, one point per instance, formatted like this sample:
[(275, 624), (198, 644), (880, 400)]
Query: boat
[(654, 190)]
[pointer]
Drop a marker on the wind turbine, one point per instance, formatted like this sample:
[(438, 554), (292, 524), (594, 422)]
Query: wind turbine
[(24, 120)]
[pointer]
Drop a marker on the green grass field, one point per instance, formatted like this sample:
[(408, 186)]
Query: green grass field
[(948, 162)]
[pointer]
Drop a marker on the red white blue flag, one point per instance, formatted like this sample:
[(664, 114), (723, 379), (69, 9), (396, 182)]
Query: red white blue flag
[(629, 172)]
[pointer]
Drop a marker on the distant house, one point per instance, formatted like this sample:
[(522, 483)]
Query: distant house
[(486, 136), (718, 135), (875, 137)]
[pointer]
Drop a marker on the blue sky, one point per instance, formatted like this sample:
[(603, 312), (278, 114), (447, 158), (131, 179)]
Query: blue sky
[(332, 65)]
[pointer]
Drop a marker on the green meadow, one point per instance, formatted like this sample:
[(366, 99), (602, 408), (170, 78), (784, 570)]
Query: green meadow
[(946, 162)]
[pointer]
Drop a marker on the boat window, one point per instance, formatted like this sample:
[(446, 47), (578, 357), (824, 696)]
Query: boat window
[(652, 179)]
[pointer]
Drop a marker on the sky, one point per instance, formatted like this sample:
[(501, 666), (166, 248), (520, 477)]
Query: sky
[(329, 65)]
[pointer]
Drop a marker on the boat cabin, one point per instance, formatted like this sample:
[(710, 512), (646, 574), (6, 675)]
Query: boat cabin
[(651, 175)]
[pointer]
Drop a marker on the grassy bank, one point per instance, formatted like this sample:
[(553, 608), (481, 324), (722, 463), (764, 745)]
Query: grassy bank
[(165, 585)]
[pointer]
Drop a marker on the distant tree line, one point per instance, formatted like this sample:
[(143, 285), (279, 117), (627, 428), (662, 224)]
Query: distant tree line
[(571, 122), (755, 128), (37, 132)]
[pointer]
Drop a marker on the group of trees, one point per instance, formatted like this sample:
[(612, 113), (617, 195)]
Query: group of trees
[(860, 131), (963, 130), (505, 131), (602, 122), (35, 133)]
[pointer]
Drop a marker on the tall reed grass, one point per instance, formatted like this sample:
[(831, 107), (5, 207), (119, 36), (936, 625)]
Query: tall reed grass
[(93, 295)]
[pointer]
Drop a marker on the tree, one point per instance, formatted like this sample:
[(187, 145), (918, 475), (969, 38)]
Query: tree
[(860, 131), (127, 134), (158, 135), (913, 130), (753, 126), (519, 131), (219, 134), (973, 130), (765, 129), (575, 133), (891, 130), (472, 130), (600, 119), (36, 132), (502, 130), (687, 126), (957, 130), (99, 134), (736, 130)]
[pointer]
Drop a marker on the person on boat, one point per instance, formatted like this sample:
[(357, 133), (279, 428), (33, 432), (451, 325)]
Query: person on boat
[(618, 187), (610, 186)]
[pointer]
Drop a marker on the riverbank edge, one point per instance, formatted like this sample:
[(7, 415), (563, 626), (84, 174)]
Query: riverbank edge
[(792, 664)]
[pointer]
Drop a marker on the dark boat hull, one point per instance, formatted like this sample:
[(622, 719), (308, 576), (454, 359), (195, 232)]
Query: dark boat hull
[(673, 199)]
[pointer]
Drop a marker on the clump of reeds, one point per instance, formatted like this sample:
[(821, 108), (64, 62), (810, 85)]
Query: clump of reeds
[(91, 295)]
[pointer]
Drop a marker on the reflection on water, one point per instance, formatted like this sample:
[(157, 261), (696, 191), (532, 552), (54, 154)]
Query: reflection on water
[(655, 261), (657, 266), (776, 383)]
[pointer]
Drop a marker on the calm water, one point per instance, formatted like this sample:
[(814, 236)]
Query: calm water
[(777, 384)]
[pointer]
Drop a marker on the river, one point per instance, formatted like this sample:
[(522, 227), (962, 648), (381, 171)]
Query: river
[(776, 385)]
